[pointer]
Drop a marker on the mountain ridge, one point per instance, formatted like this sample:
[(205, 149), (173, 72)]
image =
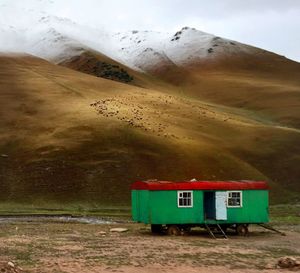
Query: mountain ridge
[(107, 109), (70, 137)]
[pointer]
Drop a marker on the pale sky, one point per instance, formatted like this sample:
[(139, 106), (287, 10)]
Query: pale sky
[(270, 24)]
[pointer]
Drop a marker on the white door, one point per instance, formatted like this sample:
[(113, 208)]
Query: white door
[(221, 208)]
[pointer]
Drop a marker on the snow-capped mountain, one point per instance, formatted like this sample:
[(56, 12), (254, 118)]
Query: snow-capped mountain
[(52, 38), (57, 39), (10, 39), (182, 47), (54, 46), (41, 32)]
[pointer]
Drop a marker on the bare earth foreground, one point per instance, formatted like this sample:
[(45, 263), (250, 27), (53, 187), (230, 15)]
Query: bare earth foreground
[(77, 247)]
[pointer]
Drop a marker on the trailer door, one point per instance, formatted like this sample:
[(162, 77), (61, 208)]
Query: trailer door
[(221, 209)]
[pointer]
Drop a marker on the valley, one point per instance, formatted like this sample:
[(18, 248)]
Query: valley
[(71, 138), (82, 119)]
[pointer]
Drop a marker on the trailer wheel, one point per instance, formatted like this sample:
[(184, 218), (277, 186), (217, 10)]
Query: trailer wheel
[(156, 229), (242, 230), (186, 231), (173, 230)]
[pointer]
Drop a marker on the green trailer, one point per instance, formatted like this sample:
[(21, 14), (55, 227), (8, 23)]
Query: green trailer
[(215, 205)]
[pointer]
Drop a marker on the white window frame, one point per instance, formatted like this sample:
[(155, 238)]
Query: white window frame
[(241, 199), (178, 197)]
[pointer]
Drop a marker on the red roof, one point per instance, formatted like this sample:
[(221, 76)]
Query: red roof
[(199, 185)]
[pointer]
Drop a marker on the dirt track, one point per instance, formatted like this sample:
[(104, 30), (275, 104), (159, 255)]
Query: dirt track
[(75, 247)]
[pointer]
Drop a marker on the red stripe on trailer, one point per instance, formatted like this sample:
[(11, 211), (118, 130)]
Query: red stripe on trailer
[(199, 185)]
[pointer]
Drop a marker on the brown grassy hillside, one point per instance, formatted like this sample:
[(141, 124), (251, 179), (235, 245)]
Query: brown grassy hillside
[(69, 137), (261, 81), (97, 64)]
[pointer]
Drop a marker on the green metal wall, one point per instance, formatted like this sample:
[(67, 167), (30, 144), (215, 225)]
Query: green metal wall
[(160, 207), (140, 205), (255, 208), (164, 208)]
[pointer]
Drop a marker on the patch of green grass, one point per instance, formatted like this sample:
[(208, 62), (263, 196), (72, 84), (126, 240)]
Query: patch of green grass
[(10, 209), (286, 214), (22, 255)]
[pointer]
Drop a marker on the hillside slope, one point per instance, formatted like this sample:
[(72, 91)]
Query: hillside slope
[(196, 64), (189, 62), (68, 137), (94, 63), (218, 70)]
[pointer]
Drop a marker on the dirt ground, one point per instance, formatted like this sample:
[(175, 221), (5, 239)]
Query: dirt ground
[(76, 247)]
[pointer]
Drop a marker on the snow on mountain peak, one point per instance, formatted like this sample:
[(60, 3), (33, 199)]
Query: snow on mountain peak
[(141, 48), (57, 38), (55, 19)]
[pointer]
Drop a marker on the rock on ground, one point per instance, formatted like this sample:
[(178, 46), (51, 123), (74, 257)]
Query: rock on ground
[(288, 262), (9, 267), (118, 230)]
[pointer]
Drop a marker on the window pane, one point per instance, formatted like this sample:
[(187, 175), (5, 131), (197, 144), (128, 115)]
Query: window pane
[(184, 199), (234, 199)]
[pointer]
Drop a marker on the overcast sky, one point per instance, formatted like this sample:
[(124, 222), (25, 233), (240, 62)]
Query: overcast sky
[(270, 24)]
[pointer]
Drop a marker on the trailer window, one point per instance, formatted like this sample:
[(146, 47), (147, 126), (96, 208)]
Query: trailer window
[(234, 199), (185, 199)]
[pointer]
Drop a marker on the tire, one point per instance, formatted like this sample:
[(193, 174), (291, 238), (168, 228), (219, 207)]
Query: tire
[(184, 230), (173, 230), (156, 229), (242, 230)]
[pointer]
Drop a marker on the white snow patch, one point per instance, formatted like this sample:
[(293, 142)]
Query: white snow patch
[(56, 38)]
